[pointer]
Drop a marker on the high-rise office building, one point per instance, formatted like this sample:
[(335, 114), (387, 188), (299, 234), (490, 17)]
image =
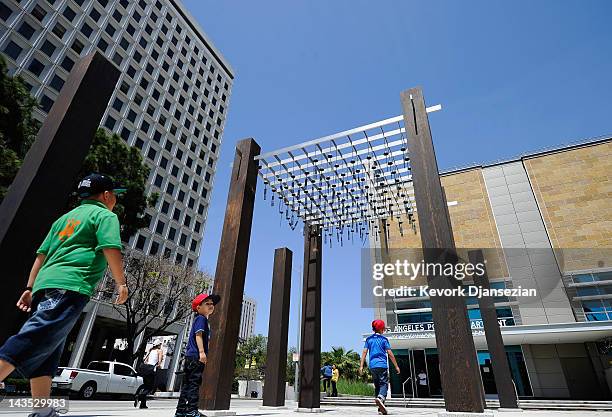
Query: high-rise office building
[(247, 318), (171, 100)]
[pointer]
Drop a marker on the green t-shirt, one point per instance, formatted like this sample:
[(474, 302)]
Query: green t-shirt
[(73, 248)]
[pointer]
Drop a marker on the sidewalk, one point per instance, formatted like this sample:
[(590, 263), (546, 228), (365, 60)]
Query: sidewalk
[(165, 408)]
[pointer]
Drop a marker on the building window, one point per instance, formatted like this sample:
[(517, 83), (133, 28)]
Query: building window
[(117, 58), (181, 196), (177, 214), (38, 12), (26, 30), (77, 46), (201, 209), (95, 15), (125, 134), (194, 244), (163, 162), (125, 87), (183, 239), (110, 123), (86, 30), (131, 116), (179, 258), (187, 221), (117, 104), (165, 207), (159, 229), (139, 143), (13, 50), (110, 29), (59, 30), (151, 154), (124, 44), (154, 248), (196, 227), (170, 189), (36, 67), (158, 181), (102, 45), (172, 234), (46, 103), (69, 13), (130, 29), (140, 243), (5, 12), (56, 83)]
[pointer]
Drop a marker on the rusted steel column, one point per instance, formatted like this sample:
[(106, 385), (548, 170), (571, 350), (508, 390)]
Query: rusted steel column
[(459, 371), (40, 191), (278, 329), (310, 340), (495, 343), (216, 389)]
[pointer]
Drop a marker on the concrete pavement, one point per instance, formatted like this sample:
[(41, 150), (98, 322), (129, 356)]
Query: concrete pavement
[(166, 407)]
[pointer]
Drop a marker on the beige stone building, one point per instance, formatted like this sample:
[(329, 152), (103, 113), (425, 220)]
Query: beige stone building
[(545, 222)]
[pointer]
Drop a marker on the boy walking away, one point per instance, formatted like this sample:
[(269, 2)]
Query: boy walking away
[(69, 264), (326, 371), (196, 355), (378, 346)]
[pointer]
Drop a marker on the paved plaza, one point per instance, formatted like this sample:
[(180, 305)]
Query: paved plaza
[(166, 407)]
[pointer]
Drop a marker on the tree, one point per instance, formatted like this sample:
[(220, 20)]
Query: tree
[(109, 154), (160, 295), (251, 358), (290, 373), (347, 362), (18, 128)]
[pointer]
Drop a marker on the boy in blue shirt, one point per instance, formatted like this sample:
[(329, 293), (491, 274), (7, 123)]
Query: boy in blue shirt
[(196, 355), (378, 346)]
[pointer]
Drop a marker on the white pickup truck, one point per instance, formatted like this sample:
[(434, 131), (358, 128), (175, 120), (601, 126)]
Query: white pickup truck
[(100, 377)]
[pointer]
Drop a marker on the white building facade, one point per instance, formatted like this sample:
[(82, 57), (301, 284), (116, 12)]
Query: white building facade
[(171, 100), (247, 318)]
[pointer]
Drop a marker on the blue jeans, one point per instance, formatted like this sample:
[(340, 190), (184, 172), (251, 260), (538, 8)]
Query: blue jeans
[(36, 350), (190, 390), (380, 377)]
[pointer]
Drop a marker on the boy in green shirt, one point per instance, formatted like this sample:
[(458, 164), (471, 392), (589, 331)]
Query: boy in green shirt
[(69, 264)]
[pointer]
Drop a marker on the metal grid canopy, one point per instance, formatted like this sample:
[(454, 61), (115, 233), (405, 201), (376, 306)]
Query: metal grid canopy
[(346, 182)]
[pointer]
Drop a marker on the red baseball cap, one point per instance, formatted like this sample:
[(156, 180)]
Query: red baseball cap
[(378, 325), (200, 298)]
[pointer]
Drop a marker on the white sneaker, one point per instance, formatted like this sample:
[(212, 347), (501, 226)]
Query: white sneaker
[(380, 402)]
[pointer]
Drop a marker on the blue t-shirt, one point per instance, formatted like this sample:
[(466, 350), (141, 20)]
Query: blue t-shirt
[(377, 346), (200, 324), (327, 371)]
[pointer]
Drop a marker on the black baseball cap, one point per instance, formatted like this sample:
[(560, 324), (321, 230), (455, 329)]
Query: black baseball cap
[(95, 183)]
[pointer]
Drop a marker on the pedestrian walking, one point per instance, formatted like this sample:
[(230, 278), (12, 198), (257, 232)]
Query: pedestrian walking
[(326, 372), (378, 348), (148, 371), (69, 264)]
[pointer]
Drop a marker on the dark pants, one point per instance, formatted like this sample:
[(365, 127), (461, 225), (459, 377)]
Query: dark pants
[(380, 377), (326, 381), (148, 380), (190, 390), (334, 389)]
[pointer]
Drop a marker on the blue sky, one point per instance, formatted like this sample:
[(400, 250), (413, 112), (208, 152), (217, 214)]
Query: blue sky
[(511, 76)]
